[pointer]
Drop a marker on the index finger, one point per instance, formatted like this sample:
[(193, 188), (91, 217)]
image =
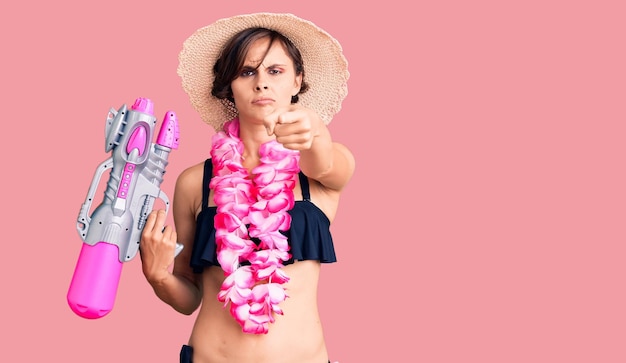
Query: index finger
[(156, 219), (279, 116), (270, 122)]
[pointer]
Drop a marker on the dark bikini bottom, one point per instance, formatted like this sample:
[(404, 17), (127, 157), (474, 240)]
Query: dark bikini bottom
[(186, 352)]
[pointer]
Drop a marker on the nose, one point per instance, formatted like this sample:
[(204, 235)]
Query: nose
[(261, 81)]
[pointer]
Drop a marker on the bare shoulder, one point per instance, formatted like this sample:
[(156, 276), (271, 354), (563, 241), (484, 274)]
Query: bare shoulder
[(188, 189), (191, 173)]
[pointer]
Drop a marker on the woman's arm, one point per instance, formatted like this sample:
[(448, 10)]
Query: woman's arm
[(330, 163), (180, 288), (300, 128)]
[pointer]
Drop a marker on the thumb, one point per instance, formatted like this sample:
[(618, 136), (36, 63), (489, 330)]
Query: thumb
[(270, 122)]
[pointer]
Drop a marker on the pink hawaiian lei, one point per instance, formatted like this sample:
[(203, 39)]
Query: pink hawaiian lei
[(252, 207)]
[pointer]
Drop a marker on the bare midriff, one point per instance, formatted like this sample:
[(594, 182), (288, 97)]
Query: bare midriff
[(296, 336)]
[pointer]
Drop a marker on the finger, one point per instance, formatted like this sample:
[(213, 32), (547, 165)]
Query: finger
[(280, 116), (160, 220), (155, 220), (150, 221), (297, 146), (293, 132), (169, 234), (288, 117), (270, 122), (287, 133)]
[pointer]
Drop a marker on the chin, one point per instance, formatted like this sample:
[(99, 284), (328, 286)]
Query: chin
[(259, 115)]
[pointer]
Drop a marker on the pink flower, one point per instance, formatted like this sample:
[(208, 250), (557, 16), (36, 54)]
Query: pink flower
[(229, 260), (263, 222), (236, 286), (229, 222), (267, 261), (266, 298)]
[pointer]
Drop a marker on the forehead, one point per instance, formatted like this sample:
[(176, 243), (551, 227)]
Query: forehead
[(259, 52)]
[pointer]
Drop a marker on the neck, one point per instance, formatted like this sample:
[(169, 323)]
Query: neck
[(252, 136)]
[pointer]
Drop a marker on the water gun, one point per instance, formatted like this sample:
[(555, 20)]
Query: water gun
[(112, 233)]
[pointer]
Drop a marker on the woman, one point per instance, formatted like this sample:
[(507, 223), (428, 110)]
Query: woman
[(254, 218)]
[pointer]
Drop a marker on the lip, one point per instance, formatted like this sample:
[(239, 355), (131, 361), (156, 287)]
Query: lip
[(262, 101)]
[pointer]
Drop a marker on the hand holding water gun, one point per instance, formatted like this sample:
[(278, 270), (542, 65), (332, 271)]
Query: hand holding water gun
[(112, 233)]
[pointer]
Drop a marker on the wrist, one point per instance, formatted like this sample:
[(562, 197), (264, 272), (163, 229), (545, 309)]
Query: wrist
[(158, 279)]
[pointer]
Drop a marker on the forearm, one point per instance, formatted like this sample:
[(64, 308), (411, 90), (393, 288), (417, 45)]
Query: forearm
[(317, 161), (178, 292), (328, 162)]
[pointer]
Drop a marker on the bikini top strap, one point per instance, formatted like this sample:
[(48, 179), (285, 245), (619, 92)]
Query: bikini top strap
[(304, 185), (206, 179)]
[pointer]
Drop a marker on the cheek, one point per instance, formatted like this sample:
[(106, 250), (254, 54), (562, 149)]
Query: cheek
[(238, 89)]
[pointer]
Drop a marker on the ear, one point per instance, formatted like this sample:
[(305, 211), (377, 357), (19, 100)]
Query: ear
[(297, 84)]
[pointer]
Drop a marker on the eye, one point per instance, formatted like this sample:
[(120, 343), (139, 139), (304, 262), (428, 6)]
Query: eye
[(247, 72), (274, 71)]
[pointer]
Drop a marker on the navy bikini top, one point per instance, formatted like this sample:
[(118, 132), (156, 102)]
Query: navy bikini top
[(309, 236)]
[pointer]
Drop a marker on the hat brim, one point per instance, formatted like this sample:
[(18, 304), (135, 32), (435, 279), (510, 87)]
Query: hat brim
[(325, 67)]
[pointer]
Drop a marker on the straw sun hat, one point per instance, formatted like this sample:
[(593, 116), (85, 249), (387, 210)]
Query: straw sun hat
[(325, 67)]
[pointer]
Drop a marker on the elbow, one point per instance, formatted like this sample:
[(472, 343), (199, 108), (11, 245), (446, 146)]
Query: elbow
[(187, 312), (187, 309)]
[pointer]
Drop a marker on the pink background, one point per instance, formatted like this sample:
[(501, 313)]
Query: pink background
[(485, 220)]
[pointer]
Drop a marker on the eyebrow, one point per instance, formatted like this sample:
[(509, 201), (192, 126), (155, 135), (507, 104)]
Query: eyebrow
[(249, 66)]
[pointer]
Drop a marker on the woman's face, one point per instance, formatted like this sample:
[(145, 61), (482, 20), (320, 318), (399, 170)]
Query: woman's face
[(266, 82)]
